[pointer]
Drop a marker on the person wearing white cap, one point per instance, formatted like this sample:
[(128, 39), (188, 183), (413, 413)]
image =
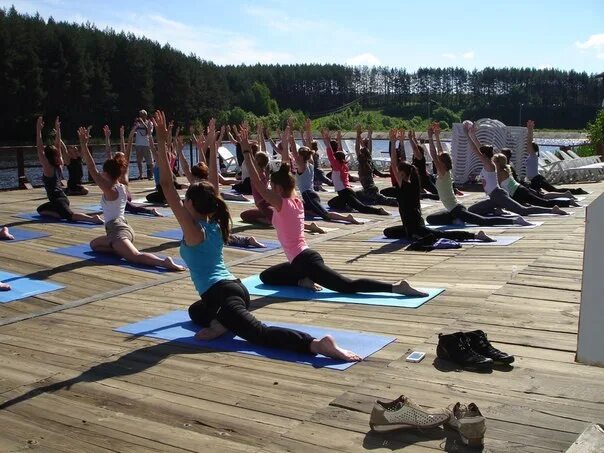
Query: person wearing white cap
[(143, 127)]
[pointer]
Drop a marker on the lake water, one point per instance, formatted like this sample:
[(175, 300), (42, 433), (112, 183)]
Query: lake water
[(9, 180)]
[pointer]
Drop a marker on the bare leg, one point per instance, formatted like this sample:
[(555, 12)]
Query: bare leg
[(5, 235), (79, 217), (101, 244), (129, 252), (328, 347), (139, 164), (345, 218), (557, 210), (309, 284)]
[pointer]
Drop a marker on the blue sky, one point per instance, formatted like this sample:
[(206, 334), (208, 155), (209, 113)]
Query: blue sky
[(409, 34)]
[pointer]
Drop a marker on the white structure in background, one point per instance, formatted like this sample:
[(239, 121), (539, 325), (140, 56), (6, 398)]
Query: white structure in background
[(466, 165), (590, 347)]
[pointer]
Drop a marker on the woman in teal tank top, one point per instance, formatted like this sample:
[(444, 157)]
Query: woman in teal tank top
[(224, 305)]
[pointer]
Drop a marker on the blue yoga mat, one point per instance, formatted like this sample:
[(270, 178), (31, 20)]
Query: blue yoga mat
[(83, 251), (24, 235), (257, 288), (35, 217), (98, 208), (499, 241), (176, 326), (22, 287), (176, 235)]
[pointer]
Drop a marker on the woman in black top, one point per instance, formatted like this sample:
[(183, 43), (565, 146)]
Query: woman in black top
[(51, 160), (409, 205), (419, 162), (76, 170)]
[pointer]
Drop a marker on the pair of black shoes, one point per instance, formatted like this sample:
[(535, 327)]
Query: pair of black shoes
[(471, 350)]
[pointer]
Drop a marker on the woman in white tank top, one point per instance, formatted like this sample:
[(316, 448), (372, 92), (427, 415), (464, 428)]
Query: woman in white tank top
[(119, 237)]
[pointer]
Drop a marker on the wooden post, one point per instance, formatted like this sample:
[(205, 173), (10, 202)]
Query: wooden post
[(23, 182), (599, 149), (590, 345)]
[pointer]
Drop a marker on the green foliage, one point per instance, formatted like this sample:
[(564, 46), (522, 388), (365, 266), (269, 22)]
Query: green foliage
[(595, 130), (585, 150), (446, 115)]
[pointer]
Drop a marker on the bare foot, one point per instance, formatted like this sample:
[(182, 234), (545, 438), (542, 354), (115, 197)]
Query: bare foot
[(328, 347), (253, 242), (458, 192), (481, 236), (97, 219), (405, 289), (383, 212), (309, 284), (5, 235), (520, 221), (574, 204), (156, 213), (4, 287), (210, 333), (557, 210), (314, 228), (171, 265), (350, 218), (568, 194)]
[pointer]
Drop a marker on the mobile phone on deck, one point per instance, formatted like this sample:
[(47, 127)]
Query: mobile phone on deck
[(416, 356)]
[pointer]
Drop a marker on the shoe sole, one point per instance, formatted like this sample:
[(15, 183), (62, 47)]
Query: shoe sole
[(400, 426), (471, 431), (485, 366)]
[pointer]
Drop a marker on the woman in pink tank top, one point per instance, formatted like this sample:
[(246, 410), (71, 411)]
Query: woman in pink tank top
[(305, 267)]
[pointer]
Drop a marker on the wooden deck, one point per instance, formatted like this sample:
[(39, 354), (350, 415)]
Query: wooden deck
[(68, 382)]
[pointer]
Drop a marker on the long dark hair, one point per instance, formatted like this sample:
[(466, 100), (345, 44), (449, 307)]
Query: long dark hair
[(207, 202)]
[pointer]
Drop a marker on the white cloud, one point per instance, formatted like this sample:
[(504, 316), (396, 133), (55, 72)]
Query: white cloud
[(364, 59), (468, 55), (450, 56), (593, 42)]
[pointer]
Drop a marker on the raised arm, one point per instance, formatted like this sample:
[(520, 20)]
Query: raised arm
[(300, 165), (441, 169), (417, 152), (260, 137), (104, 184), (107, 134), (370, 138), (357, 142), (394, 156), (475, 146), (192, 233), (339, 140), (271, 197), (530, 126), (183, 161), (212, 144), (307, 133), (439, 145), (330, 153), (46, 167)]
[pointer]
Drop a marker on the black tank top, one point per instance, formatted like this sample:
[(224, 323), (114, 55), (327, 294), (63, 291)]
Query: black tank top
[(75, 172), (52, 184)]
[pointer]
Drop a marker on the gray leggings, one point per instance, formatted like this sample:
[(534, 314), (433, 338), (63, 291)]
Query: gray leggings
[(499, 198)]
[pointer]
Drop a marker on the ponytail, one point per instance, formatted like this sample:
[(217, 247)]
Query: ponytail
[(284, 178), (222, 216)]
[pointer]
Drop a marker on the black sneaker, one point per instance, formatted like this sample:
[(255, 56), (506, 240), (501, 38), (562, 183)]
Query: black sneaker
[(456, 348), (480, 344)]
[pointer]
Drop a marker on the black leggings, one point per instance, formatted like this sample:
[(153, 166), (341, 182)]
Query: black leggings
[(460, 212), (428, 185), (310, 264), (540, 183), (59, 206), (312, 204), (389, 192), (244, 187), (228, 302), (524, 195), (346, 199), (320, 178), (400, 232)]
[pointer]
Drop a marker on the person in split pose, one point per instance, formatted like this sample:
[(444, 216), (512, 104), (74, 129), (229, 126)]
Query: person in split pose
[(498, 197), (224, 305), (369, 194), (51, 160), (409, 203), (119, 237), (305, 174), (455, 212), (536, 181), (304, 267), (123, 158), (345, 199)]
